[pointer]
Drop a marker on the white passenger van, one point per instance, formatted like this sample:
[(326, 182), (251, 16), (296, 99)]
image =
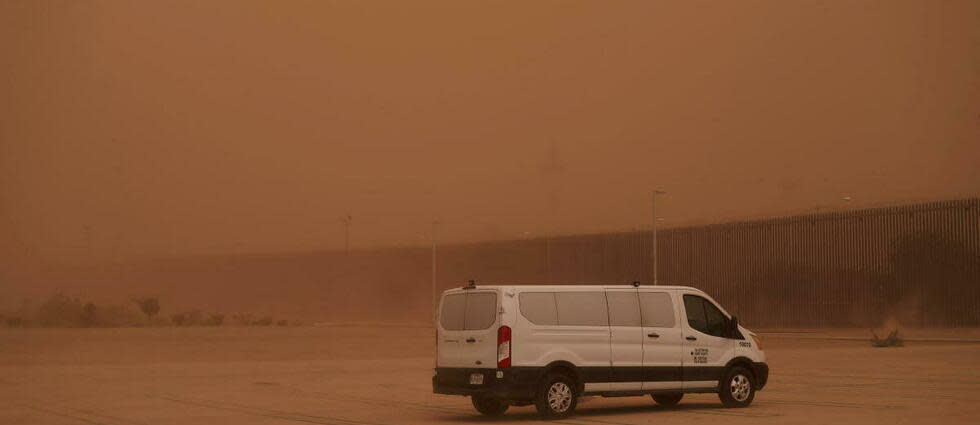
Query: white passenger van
[(548, 345)]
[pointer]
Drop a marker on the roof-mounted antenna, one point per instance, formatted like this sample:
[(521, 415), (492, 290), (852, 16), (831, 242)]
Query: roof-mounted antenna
[(636, 284), (470, 285)]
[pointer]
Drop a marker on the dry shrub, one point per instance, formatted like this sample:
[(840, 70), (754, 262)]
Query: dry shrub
[(115, 315), (60, 311), (215, 320), (242, 319), (892, 340), (188, 318)]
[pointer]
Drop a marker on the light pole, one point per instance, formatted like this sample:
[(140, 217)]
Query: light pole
[(435, 299), (654, 248), (347, 221), (547, 258)]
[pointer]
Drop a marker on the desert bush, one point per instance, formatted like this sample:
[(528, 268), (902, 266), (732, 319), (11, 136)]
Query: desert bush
[(116, 316), (195, 318), (892, 340), (265, 321), (188, 318), (60, 311), (215, 320), (242, 319), (282, 322), (15, 322)]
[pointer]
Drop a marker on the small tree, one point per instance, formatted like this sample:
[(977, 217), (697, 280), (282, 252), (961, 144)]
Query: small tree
[(89, 315), (149, 306)]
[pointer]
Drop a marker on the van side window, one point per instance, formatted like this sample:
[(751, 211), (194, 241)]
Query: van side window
[(539, 307), (582, 309), (703, 316), (624, 308), (657, 309)]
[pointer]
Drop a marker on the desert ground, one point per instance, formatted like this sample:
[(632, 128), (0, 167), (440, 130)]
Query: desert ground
[(380, 375)]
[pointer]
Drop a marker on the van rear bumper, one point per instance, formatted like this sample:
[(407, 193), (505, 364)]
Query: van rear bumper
[(514, 383)]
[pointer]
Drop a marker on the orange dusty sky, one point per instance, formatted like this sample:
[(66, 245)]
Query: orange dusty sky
[(134, 130)]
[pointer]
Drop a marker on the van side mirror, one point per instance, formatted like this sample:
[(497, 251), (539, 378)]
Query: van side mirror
[(732, 327)]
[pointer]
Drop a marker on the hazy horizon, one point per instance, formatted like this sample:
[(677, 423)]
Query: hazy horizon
[(134, 131)]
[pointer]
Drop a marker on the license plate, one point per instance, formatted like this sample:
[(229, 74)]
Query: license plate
[(476, 379)]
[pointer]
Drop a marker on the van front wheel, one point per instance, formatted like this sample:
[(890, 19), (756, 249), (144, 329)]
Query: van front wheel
[(737, 389), (489, 405), (556, 398)]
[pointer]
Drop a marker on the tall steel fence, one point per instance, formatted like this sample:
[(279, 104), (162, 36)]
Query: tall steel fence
[(917, 265)]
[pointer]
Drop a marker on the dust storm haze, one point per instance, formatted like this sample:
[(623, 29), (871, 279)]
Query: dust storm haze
[(146, 130), (327, 167)]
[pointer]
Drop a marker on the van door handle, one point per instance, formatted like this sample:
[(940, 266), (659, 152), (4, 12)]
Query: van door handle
[(470, 340), (691, 338), (653, 335)]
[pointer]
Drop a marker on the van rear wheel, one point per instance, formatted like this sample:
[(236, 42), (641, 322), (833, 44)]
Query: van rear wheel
[(556, 398), (670, 399), (489, 405)]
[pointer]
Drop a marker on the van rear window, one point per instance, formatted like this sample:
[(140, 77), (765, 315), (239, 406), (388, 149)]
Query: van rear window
[(481, 310), (468, 311), (453, 312)]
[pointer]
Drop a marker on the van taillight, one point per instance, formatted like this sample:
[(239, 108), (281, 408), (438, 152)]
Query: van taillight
[(503, 347)]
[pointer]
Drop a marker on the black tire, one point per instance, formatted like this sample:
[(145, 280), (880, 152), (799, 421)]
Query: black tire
[(556, 397), (737, 388), (670, 399), (489, 405)]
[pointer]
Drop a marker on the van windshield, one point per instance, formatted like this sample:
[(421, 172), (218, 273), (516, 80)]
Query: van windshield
[(469, 311)]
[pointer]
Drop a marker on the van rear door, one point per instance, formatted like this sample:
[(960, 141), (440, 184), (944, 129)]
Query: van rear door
[(467, 336)]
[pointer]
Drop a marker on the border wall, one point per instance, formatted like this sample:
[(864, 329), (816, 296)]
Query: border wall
[(915, 265)]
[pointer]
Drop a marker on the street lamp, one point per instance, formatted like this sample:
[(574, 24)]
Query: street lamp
[(347, 219), (435, 299), (654, 249)]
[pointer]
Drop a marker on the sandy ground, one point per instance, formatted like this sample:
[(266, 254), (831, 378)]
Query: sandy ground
[(371, 375)]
